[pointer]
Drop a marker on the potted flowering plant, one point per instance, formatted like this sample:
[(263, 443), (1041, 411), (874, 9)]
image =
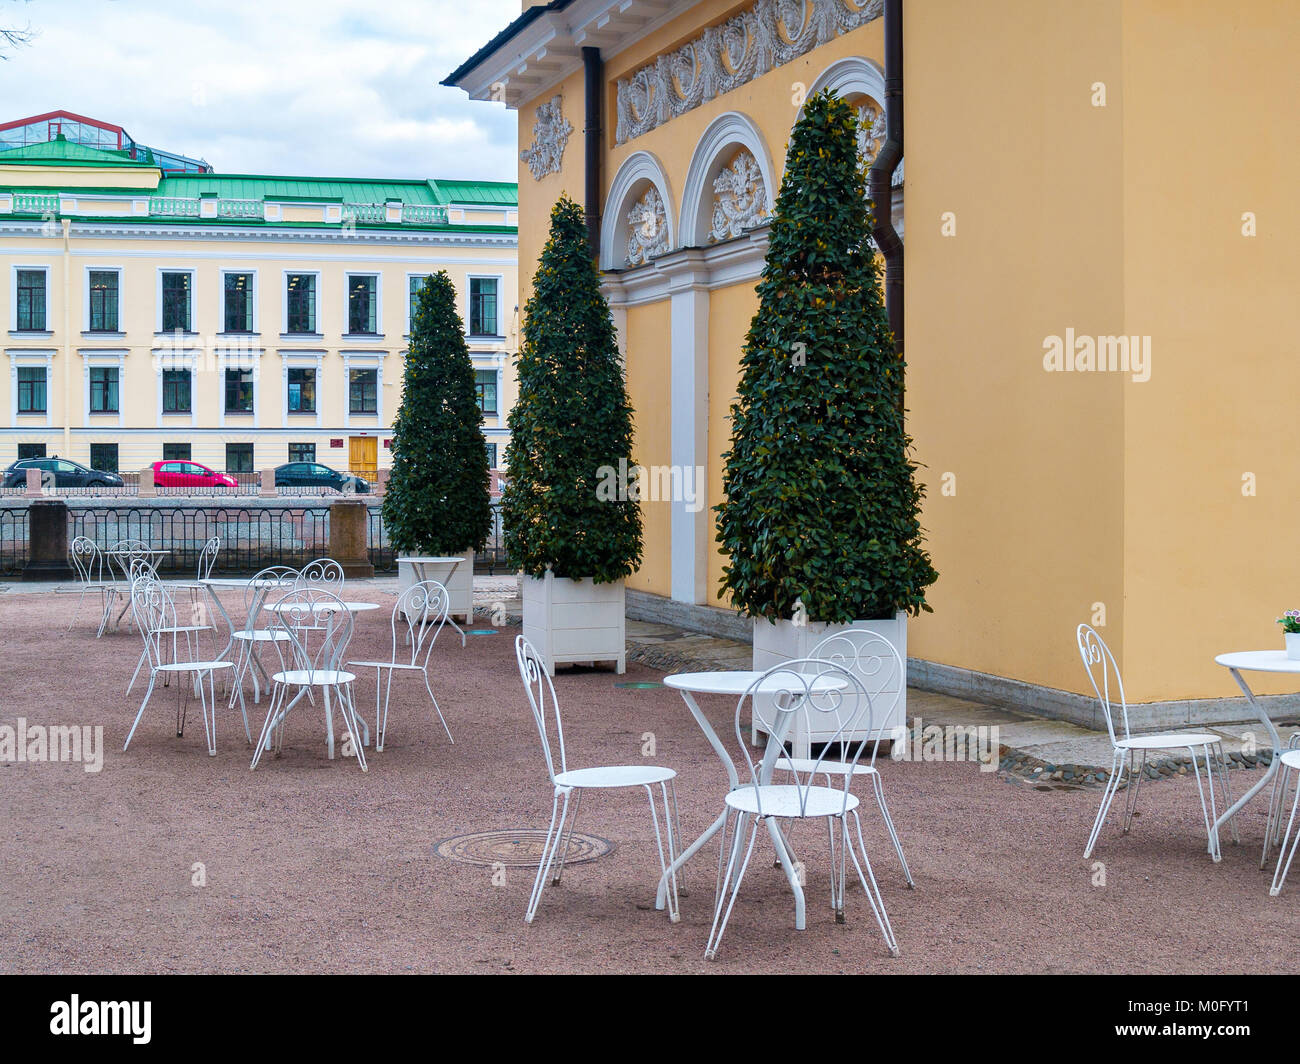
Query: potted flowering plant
[(1290, 622)]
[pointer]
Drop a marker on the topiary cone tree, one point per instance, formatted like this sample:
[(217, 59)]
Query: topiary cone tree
[(572, 419), (438, 499), (821, 501)]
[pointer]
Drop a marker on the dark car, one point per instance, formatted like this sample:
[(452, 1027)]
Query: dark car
[(315, 475), (66, 473)]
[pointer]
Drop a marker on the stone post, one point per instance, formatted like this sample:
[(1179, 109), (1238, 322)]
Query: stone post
[(349, 519), (267, 490), (381, 483), (146, 488), (34, 490), (47, 541)]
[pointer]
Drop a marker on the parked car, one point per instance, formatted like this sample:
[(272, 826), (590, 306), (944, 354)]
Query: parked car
[(178, 474), (67, 474), (315, 475)]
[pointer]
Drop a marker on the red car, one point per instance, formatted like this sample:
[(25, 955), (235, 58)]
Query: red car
[(178, 474)]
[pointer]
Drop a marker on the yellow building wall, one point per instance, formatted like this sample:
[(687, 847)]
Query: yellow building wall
[(648, 389), (1207, 567)]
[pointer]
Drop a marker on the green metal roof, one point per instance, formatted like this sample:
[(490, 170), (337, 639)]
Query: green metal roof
[(484, 193), (260, 187), (61, 152)]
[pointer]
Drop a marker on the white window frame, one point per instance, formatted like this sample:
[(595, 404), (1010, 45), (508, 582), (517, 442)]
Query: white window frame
[(103, 359), (85, 303), (158, 295), (500, 279), (364, 360), (316, 333), (409, 275), (29, 360), (300, 360), (379, 304), (257, 310), (13, 301), (178, 360), (240, 359)]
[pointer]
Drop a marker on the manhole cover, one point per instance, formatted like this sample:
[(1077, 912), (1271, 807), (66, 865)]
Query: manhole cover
[(517, 849), (482, 631), (639, 686)]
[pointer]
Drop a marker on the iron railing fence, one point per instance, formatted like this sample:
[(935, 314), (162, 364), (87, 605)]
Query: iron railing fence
[(248, 484), (252, 537)]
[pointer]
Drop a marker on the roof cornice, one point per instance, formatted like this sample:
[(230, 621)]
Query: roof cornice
[(538, 51), (119, 230)]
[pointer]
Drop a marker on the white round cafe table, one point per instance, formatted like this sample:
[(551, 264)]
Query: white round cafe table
[(1236, 663), (735, 683), (421, 562), (322, 607)]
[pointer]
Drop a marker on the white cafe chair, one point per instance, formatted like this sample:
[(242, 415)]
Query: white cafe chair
[(1109, 687), (824, 699), (423, 610), (569, 783)]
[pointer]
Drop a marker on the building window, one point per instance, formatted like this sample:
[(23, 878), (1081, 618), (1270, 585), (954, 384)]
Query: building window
[(362, 391), (31, 301), (302, 391), (302, 452), (301, 298), (363, 301), (238, 310), (417, 283), (239, 458), (239, 391), (31, 390), (492, 455), (483, 306), (103, 389), (103, 300), (31, 450), (176, 302), (103, 456), (176, 452), (485, 385), (176, 391)]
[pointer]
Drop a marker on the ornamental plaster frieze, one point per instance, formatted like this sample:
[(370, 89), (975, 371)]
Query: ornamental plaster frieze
[(727, 56)]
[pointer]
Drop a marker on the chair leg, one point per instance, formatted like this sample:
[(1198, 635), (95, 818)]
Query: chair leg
[(562, 844), (76, 609), (1226, 787), (144, 654), (870, 886), (735, 874), (558, 816), (1276, 803), (837, 884), (209, 708), (677, 834), (436, 709), (1134, 786), (1279, 876), (889, 826), (264, 739), (348, 713), (147, 693), (670, 834), (381, 721), (1205, 812), (1108, 796)]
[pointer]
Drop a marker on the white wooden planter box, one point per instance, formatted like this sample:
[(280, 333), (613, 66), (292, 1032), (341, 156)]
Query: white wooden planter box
[(574, 620), (459, 584), (785, 641)]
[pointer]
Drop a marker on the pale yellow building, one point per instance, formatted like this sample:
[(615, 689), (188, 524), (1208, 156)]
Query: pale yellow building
[(153, 309), (1120, 168)]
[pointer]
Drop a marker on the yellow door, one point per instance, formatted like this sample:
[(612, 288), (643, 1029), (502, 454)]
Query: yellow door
[(363, 457)]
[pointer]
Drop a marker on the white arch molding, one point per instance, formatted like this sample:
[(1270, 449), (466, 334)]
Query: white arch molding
[(717, 145), (855, 76), (629, 185)]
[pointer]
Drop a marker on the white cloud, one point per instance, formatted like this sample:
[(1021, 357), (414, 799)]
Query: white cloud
[(300, 87)]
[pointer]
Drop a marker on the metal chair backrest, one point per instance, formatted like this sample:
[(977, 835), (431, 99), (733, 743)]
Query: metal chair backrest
[(319, 627), (88, 560), (138, 566), (423, 609), (125, 551), (828, 700), (1106, 681), (152, 609), (324, 573), (546, 708), (875, 661), (208, 557), (267, 586)]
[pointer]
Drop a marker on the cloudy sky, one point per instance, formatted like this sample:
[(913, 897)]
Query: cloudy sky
[(301, 87)]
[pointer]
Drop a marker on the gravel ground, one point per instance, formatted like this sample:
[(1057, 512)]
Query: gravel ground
[(312, 866)]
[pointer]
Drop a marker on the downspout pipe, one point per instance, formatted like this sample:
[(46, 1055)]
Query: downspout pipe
[(882, 172), (593, 69)]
